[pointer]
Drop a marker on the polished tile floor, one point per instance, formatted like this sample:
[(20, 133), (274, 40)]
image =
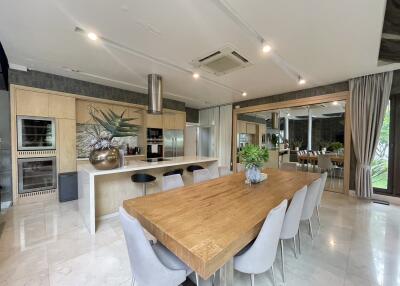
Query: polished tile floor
[(358, 243)]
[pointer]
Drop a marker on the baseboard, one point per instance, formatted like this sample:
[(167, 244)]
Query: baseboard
[(108, 216), (352, 193), (5, 205), (390, 199)]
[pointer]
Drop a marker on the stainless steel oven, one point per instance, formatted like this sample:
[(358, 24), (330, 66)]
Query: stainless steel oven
[(37, 174), (36, 133)]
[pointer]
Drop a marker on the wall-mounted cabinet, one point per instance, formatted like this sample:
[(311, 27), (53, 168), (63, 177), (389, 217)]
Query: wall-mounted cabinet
[(66, 136), (174, 121), (32, 103), (251, 128), (62, 107), (154, 120), (84, 108)]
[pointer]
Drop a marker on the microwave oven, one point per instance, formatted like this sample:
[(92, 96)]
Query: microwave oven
[(36, 133)]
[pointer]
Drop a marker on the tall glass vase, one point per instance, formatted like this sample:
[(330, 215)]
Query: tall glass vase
[(253, 175)]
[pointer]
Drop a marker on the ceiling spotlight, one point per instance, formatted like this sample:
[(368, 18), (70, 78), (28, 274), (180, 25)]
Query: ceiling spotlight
[(244, 93), (266, 49), (288, 114), (302, 81), (92, 36), (196, 75), (335, 103)]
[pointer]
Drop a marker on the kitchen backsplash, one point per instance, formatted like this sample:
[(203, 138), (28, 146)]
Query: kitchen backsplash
[(83, 140)]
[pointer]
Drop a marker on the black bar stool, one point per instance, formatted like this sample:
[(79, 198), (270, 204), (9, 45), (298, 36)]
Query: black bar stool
[(143, 179), (192, 168), (173, 172)]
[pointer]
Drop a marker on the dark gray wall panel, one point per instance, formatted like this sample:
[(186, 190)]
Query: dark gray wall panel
[(64, 84), (5, 148), (192, 115)]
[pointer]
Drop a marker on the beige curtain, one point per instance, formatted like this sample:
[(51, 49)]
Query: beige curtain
[(368, 102)]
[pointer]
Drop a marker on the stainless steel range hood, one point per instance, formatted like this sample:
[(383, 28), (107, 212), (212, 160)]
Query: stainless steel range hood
[(275, 120), (155, 92)]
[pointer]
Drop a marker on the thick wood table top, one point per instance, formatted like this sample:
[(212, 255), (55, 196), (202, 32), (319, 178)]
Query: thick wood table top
[(206, 224)]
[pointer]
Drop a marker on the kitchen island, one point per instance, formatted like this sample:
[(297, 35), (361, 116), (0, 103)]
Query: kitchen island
[(101, 192)]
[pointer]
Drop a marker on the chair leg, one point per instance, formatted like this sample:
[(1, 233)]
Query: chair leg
[(298, 237), (273, 275), (283, 261), (294, 245), (133, 281), (252, 279), (319, 221), (310, 226), (197, 279)]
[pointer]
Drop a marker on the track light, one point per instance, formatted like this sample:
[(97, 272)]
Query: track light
[(92, 36), (266, 49), (302, 81), (196, 75), (244, 93)]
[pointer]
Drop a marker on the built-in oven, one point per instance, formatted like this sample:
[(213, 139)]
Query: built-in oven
[(154, 134), (36, 133), (37, 174), (154, 149)]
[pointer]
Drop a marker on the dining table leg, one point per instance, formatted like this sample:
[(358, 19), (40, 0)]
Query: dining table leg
[(224, 276)]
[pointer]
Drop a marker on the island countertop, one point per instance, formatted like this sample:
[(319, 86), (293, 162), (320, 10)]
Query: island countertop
[(138, 165)]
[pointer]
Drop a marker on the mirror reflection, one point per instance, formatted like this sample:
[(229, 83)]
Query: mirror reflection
[(305, 138)]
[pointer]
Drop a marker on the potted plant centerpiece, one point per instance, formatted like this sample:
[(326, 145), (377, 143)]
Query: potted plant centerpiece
[(104, 153), (253, 157)]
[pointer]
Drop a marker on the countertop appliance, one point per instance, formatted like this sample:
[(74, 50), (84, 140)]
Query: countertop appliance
[(173, 143), (36, 133)]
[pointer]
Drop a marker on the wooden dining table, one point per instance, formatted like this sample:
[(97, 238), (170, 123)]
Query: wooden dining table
[(206, 224)]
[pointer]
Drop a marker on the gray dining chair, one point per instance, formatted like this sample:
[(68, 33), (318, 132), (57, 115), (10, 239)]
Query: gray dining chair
[(259, 256), (309, 205), (240, 167), (151, 265), (321, 192), (201, 175), (172, 182), (291, 223), (289, 166), (224, 171)]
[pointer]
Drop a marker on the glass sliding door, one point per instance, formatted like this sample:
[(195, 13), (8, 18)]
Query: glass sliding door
[(386, 163)]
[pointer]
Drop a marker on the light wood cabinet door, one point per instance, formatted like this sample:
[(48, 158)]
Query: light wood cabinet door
[(241, 126), (154, 121), (62, 107), (136, 113), (66, 134), (32, 103), (168, 120), (180, 121), (251, 128), (83, 109)]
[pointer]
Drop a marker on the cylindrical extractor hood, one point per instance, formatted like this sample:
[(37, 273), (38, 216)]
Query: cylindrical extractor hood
[(275, 120), (155, 92)]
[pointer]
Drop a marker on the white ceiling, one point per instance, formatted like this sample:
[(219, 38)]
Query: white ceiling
[(324, 41)]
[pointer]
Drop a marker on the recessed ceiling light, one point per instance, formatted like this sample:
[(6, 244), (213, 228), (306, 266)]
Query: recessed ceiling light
[(92, 36), (335, 103), (244, 93), (288, 114), (266, 49), (302, 81), (196, 75)]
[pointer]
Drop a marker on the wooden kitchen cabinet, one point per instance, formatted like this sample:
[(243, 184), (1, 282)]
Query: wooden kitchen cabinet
[(154, 121), (32, 103), (66, 134), (168, 120), (251, 128), (175, 121), (241, 126), (62, 107), (136, 113), (84, 107), (180, 121)]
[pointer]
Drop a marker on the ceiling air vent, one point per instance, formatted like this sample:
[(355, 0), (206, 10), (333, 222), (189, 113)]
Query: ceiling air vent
[(221, 62)]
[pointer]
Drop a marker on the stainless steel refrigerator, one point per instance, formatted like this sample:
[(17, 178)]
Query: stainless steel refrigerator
[(173, 143)]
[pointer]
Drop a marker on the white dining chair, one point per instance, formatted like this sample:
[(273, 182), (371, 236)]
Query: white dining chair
[(321, 192), (289, 166), (151, 265), (309, 205), (201, 175), (325, 165), (224, 171), (260, 255), (291, 223), (172, 182)]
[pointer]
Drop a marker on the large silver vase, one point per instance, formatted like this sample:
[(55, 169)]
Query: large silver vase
[(106, 159)]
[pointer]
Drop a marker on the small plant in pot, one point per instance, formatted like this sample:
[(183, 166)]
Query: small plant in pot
[(104, 153), (253, 157)]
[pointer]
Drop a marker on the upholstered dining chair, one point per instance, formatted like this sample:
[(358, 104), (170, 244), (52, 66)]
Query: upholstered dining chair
[(291, 223), (309, 205), (321, 192), (289, 166), (201, 175), (151, 265), (260, 255), (240, 167), (172, 182)]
